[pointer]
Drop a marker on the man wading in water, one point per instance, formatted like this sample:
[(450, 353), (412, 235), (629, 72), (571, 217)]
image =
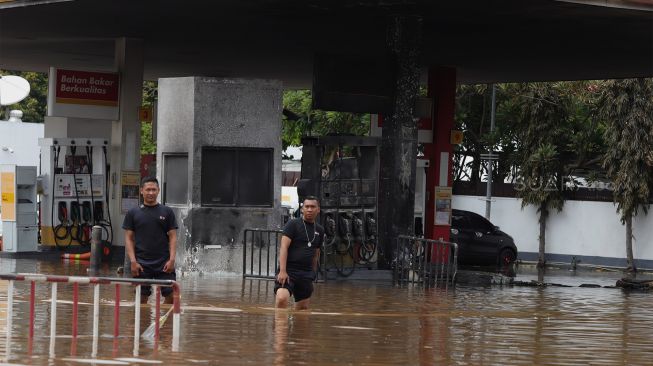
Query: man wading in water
[(298, 256), (151, 240)]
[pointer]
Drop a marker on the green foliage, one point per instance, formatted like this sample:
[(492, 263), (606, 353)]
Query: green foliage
[(626, 106), (34, 106), (544, 132), (316, 122), (150, 95), (473, 115)]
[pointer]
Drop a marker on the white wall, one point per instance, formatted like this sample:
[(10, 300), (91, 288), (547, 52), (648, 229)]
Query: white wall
[(23, 139), (591, 230)]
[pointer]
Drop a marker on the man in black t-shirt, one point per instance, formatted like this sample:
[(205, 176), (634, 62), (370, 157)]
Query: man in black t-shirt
[(298, 256), (151, 240)]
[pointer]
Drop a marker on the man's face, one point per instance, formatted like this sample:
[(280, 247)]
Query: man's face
[(150, 191), (310, 210)]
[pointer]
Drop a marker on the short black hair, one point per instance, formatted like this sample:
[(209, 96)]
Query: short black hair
[(148, 180), (311, 198)]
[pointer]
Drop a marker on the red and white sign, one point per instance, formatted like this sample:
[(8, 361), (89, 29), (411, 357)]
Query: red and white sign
[(84, 94), (88, 88), (424, 128)]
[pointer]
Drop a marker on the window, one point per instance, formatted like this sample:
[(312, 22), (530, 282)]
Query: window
[(460, 221), (480, 223), (175, 179), (236, 176)]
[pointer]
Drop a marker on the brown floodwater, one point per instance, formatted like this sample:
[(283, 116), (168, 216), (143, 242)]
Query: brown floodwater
[(227, 320)]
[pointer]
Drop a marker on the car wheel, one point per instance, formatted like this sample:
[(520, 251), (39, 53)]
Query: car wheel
[(506, 257)]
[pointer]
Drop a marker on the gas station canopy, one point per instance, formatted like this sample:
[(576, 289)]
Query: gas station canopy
[(487, 41)]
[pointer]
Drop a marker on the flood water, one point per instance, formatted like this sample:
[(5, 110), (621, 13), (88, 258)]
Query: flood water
[(229, 321)]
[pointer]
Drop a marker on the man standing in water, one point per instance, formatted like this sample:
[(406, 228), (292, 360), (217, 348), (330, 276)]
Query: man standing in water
[(298, 256), (151, 240)]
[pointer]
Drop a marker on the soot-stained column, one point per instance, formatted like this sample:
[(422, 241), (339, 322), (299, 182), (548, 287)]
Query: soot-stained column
[(399, 140)]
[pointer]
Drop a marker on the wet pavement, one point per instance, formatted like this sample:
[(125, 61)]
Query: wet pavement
[(228, 321)]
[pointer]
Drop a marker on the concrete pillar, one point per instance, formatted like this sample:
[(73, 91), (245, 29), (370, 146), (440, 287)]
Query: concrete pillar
[(399, 141), (126, 131), (199, 115)]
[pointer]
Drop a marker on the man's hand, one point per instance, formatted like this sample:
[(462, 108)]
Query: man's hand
[(282, 277), (169, 267), (136, 269)]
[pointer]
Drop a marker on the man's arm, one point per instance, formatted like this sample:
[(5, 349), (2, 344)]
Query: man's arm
[(316, 259), (172, 242), (136, 268), (283, 259)]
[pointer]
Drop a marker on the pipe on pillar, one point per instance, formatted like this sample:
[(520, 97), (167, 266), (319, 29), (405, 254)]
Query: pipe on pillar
[(442, 89), (126, 132), (399, 140)]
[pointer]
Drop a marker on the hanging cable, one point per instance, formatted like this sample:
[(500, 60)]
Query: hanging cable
[(60, 232), (75, 213), (106, 197)]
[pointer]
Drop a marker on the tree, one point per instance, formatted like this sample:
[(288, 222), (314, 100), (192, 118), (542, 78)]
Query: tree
[(34, 106), (301, 120), (626, 106), (544, 116)]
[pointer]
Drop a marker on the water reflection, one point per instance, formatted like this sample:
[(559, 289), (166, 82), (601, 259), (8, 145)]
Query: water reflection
[(230, 321)]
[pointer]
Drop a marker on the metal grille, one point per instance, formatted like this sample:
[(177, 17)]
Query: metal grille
[(427, 262), (261, 253)]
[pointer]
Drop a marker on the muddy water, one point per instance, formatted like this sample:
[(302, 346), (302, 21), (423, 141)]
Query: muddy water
[(230, 321)]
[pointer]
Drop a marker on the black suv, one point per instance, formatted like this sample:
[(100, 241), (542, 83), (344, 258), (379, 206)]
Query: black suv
[(480, 242)]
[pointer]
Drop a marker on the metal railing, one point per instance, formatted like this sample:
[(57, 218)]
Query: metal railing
[(95, 282), (427, 262), (261, 253)]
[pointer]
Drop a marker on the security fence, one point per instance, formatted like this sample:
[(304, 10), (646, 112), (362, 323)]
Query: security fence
[(426, 262)]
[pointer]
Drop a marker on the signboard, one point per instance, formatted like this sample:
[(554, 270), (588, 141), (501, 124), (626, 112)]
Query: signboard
[(8, 192), (83, 94), (145, 114), (443, 205), (130, 183), (456, 137), (424, 128)]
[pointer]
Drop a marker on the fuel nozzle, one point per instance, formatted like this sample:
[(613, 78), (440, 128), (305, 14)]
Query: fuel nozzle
[(370, 225)]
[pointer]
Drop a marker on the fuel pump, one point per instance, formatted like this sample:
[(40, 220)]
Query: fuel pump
[(342, 171), (75, 170)]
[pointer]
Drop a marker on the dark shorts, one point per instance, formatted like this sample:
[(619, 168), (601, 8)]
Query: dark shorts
[(299, 288), (155, 272)]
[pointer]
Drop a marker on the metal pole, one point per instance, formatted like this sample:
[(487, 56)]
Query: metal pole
[(32, 315), (96, 249), (10, 315), (488, 195), (137, 319), (75, 308), (157, 312), (176, 318), (96, 318), (116, 313), (53, 319)]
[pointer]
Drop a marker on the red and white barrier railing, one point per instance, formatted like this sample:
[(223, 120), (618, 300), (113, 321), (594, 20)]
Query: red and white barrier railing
[(96, 282)]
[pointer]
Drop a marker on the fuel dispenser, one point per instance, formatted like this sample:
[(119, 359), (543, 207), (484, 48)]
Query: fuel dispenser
[(342, 171), (74, 175)]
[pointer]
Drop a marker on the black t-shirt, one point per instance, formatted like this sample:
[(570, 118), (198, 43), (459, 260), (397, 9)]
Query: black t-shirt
[(300, 254), (151, 225)]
